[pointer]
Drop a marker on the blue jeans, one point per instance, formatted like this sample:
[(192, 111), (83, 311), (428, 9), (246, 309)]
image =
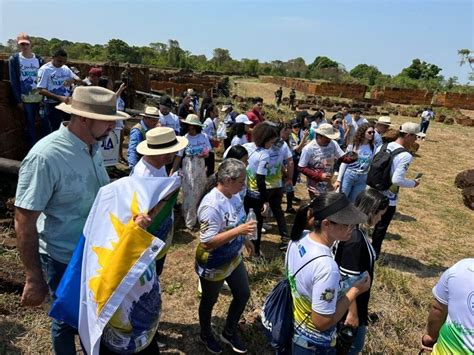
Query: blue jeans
[(353, 184), (424, 126), (359, 340), (30, 110), (62, 335), (301, 347)]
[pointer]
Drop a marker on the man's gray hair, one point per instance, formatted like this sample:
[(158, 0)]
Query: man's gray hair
[(230, 169)]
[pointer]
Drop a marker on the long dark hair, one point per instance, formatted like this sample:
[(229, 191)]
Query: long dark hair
[(360, 135), (238, 129), (371, 202), (303, 214)]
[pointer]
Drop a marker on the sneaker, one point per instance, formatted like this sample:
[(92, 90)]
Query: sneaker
[(211, 343), (235, 342)]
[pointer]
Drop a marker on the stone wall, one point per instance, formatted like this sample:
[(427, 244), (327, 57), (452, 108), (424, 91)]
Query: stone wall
[(404, 96), (350, 91), (454, 100)]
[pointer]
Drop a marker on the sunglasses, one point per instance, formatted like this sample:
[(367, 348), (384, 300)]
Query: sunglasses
[(24, 44), (370, 132)]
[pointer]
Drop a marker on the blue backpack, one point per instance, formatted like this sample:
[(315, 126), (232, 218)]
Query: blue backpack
[(277, 313)]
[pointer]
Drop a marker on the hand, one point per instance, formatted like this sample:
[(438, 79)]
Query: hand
[(249, 247), (64, 99), (247, 228), (336, 184), (326, 177), (265, 208), (142, 220), (427, 342), (68, 82), (34, 293), (363, 285), (305, 133), (417, 182), (352, 320)]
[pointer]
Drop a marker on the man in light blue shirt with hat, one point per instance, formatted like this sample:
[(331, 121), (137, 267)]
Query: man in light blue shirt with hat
[(58, 182)]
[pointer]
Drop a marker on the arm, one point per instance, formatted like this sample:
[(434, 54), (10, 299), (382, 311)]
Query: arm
[(302, 143), (352, 318), (35, 289), (14, 79), (225, 237), (398, 177), (176, 162), (50, 95), (317, 175), (121, 89), (289, 172), (436, 319), (262, 187), (135, 138)]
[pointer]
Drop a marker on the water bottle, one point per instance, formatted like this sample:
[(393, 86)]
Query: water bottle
[(252, 217)]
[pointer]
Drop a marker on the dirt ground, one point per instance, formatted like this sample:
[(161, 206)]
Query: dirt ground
[(431, 231)]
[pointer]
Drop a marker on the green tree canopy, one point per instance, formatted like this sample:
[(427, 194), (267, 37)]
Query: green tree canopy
[(421, 70), (366, 73)]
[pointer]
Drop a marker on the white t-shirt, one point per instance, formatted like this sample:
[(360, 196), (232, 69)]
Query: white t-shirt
[(320, 158), (170, 120), (258, 162), (398, 170), (361, 166), (361, 121), (278, 154), (427, 115), (28, 75), (144, 169), (455, 289), (236, 140), (210, 127), (198, 144), (317, 287), (52, 79)]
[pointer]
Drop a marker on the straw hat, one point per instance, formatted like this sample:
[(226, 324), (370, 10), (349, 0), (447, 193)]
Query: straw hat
[(161, 140), (327, 130), (151, 111), (94, 102), (192, 119), (386, 120)]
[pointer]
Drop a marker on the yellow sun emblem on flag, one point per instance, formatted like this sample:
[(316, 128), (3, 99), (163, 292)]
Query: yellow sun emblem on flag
[(116, 262)]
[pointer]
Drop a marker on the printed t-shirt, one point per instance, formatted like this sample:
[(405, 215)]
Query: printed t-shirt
[(315, 288), (170, 120), (239, 141), (258, 162), (28, 75), (198, 145), (320, 158), (361, 166), (52, 79), (134, 323), (218, 213), (455, 289), (278, 154)]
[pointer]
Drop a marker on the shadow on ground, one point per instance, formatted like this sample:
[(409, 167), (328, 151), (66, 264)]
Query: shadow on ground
[(411, 265), (403, 217), (8, 332)]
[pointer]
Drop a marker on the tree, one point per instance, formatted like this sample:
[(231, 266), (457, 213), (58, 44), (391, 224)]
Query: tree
[(421, 70), (119, 51), (366, 73), (323, 63), (250, 66), (467, 57), (220, 56)]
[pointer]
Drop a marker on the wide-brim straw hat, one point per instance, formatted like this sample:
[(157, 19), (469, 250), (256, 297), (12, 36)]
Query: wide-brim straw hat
[(327, 130), (151, 112), (386, 120), (161, 140), (193, 120), (94, 102)]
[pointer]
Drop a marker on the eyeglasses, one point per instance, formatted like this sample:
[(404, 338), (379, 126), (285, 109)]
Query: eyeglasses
[(24, 44)]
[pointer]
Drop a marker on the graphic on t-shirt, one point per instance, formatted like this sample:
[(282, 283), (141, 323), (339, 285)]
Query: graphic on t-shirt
[(328, 295)]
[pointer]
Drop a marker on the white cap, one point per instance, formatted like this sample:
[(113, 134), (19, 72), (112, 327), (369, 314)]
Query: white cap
[(243, 119)]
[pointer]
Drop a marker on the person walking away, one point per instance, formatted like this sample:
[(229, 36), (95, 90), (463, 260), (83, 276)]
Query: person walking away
[(426, 116)]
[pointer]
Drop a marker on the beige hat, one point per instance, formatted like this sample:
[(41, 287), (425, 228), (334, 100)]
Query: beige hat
[(94, 102), (23, 38), (226, 107), (411, 128), (192, 119), (161, 140), (151, 111), (386, 120), (327, 130)]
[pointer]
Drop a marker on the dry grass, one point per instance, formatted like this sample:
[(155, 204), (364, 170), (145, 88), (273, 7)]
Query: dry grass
[(432, 231)]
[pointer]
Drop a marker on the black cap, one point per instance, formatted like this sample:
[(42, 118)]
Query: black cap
[(165, 100)]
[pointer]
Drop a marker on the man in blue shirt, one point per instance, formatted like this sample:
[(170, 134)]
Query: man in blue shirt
[(57, 185), (150, 120)]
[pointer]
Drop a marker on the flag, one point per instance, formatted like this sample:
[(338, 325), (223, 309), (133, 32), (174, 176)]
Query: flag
[(116, 252)]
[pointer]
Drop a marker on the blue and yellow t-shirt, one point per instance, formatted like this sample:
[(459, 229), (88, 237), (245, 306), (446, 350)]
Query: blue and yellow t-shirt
[(278, 154), (258, 163), (216, 214)]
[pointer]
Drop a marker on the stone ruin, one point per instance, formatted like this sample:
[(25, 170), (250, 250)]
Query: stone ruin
[(465, 181)]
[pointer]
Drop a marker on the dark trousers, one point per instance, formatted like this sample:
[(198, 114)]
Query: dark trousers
[(380, 229), (54, 116), (239, 286), (210, 162), (30, 111), (62, 335), (274, 200), (424, 126), (256, 204)]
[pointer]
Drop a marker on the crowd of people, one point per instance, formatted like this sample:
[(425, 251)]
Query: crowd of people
[(353, 180)]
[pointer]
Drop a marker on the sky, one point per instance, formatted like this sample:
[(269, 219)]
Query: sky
[(386, 33)]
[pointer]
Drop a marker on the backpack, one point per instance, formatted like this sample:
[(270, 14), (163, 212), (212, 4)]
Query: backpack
[(277, 313), (379, 176)]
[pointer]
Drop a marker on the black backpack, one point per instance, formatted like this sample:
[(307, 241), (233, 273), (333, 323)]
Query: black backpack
[(379, 176)]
